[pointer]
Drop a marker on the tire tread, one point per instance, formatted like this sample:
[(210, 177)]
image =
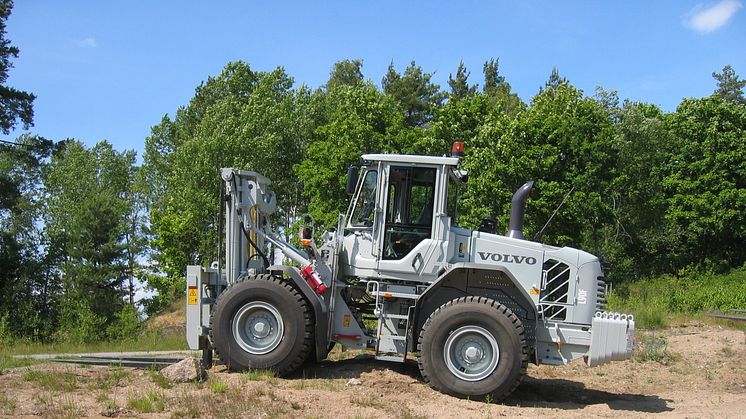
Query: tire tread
[(308, 325), (501, 309)]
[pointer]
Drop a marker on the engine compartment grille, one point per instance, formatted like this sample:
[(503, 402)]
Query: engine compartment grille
[(554, 290)]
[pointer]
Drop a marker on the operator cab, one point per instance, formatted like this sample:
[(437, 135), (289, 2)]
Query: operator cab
[(400, 216)]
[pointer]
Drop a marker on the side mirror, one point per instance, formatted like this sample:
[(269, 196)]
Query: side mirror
[(352, 175), (306, 231)]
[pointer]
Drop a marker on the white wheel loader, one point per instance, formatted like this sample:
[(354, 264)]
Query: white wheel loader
[(399, 278)]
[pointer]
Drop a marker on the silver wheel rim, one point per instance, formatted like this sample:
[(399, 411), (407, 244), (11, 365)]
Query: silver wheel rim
[(471, 353), (257, 328)]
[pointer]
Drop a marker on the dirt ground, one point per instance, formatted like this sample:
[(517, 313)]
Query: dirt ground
[(690, 371)]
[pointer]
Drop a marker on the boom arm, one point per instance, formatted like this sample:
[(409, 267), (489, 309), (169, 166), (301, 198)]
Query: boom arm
[(248, 203)]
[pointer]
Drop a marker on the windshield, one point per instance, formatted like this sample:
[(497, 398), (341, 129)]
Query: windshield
[(362, 215)]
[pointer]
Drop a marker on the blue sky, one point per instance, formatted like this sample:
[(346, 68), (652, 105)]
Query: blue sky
[(111, 69)]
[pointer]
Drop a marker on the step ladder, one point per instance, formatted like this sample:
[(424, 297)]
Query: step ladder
[(391, 334)]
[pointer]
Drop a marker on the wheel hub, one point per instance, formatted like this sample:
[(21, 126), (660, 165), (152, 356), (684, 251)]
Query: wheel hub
[(258, 327), (261, 329), (471, 353)]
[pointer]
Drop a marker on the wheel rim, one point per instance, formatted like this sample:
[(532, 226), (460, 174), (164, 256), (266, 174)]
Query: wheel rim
[(471, 353), (257, 328)]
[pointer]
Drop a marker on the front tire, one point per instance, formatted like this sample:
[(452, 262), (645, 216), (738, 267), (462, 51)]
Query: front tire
[(473, 347), (262, 322)]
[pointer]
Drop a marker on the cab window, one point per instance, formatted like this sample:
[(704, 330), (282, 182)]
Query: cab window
[(362, 215), (409, 209)]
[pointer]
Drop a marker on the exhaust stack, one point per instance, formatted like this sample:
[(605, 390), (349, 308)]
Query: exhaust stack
[(517, 210)]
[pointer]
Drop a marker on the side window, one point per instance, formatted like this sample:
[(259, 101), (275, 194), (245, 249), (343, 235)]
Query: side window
[(391, 215), (452, 203), (409, 211), (362, 215), (421, 212)]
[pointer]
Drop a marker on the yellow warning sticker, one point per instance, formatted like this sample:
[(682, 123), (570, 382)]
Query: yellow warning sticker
[(346, 320), (192, 296)]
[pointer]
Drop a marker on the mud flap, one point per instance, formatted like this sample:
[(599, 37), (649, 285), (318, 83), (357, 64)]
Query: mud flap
[(320, 309)]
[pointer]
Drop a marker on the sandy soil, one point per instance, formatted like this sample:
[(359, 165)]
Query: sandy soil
[(699, 372)]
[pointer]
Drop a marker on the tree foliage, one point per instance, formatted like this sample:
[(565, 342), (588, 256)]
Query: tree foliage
[(15, 105), (241, 118), (355, 120), (706, 182), (498, 90), (460, 88), (730, 88), (418, 96), (28, 286), (87, 215), (345, 73)]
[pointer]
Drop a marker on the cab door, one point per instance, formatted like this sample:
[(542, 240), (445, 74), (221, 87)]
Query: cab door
[(360, 241), (414, 223)]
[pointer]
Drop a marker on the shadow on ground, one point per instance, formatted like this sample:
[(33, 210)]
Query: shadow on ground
[(353, 367), (548, 393), (565, 394)]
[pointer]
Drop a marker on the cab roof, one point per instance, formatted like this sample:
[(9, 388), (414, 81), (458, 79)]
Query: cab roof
[(409, 158)]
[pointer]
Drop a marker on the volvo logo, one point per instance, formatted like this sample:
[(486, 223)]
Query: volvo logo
[(497, 257)]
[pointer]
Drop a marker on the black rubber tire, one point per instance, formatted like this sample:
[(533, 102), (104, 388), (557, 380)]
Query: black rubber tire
[(297, 339), (490, 315)]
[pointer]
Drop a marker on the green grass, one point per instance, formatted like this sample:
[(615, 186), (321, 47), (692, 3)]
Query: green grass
[(149, 403), (218, 386), (655, 349), (156, 340), (53, 381), (366, 401), (112, 378), (656, 302), (159, 380), (7, 361), (7, 405), (258, 375)]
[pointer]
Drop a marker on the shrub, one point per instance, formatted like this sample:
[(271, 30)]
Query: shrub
[(126, 325), (78, 324), (689, 292)]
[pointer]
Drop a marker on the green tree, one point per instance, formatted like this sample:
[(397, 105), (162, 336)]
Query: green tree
[(15, 105), (562, 140), (638, 240), (555, 80), (730, 88), (28, 284), (418, 96), (252, 121), (498, 90), (345, 73), (492, 77), (705, 183), (458, 120), (87, 217), (357, 120), (460, 88)]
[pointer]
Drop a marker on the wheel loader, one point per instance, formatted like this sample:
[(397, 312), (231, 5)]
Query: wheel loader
[(399, 278)]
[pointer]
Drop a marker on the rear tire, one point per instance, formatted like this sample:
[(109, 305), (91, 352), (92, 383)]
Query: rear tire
[(262, 322), (473, 347)]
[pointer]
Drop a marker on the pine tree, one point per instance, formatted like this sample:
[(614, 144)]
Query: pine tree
[(492, 77), (460, 86), (415, 92), (15, 104), (729, 87)]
